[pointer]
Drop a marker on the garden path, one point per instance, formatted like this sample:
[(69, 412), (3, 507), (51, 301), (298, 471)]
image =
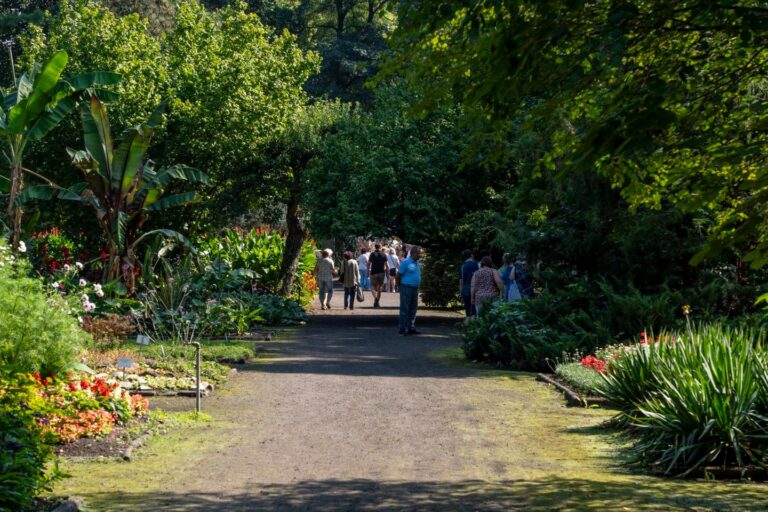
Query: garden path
[(344, 415)]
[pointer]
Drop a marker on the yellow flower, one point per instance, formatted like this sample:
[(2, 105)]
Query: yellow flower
[(687, 309)]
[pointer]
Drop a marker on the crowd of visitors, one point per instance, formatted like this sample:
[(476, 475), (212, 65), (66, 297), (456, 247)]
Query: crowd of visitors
[(480, 283), (397, 270)]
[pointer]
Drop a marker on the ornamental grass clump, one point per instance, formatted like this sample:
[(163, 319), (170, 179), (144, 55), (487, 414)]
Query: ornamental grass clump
[(696, 400)]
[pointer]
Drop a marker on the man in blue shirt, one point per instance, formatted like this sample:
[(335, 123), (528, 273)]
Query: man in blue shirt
[(468, 269), (409, 279)]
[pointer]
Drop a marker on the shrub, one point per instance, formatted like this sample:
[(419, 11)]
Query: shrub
[(697, 399), (24, 458), (583, 378), (110, 330), (505, 333), (440, 280), (36, 333)]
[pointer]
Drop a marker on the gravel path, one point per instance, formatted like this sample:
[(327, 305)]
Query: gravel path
[(344, 415)]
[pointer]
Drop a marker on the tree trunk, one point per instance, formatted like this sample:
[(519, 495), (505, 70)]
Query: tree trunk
[(15, 212), (341, 14), (296, 236)]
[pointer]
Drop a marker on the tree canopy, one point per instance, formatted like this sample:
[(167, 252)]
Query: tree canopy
[(663, 98)]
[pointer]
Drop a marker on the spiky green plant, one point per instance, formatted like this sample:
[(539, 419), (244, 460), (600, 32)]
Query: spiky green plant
[(701, 399)]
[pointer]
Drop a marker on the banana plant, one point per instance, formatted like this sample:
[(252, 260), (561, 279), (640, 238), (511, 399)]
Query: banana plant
[(39, 102), (122, 186)]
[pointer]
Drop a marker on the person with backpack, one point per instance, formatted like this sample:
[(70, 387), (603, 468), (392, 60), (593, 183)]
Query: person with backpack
[(378, 269)]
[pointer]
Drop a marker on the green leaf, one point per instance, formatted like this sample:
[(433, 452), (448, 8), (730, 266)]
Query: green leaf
[(119, 227), (94, 78), (50, 119), (128, 158), (182, 172), (174, 200), (44, 84), (167, 233), (98, 135), (5, 185)]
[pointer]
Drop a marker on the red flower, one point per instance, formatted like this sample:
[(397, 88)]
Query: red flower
[(103, 255)]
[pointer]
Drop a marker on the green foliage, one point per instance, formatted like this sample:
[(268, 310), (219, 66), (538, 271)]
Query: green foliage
[(439, 283), (387, 174), (230, 82), (24, 458), (663, 98), (700, 399), (40, 100), (36, 331), (277, 310), (584, 379), (121, 185), (211, 351), (255, 254)]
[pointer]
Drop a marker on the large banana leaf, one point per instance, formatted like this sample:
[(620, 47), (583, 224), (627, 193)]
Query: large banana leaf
[(180, 172), (174, 200), (129, 157), (45, 81), (98, 135), (51, 118), (46, 193), (119, 227), (94, 79)]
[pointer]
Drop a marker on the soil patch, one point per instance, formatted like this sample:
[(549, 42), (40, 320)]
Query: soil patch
[(111, 445)]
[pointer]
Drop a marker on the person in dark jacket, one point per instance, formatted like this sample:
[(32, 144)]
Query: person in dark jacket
[(468, 269)]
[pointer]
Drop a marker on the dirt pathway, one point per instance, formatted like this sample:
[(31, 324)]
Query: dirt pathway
[(344, 415)]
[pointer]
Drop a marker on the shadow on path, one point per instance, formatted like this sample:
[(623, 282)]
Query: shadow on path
[(469, 495)]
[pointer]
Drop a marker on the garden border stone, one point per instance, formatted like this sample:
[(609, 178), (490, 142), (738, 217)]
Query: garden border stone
[(71, 504), (572, 397)]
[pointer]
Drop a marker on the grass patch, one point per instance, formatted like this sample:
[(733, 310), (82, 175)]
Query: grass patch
[(585, 380), (232, 351)]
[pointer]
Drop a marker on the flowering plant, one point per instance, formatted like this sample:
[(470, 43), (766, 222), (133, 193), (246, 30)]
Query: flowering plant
[(69, 408)]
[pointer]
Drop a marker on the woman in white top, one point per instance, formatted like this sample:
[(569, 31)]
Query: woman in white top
[(394, 264), (362, 263)]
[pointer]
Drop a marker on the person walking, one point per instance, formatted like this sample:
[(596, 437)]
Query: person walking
[(324, 272), (362, 262), (487, 285), (507, 273), (468, 269), (394, 263), (378, 266), (409, 279), (351, 280)]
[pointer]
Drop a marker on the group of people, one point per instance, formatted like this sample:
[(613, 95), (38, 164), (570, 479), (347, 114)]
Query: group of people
[(481, 283), (380, 271)]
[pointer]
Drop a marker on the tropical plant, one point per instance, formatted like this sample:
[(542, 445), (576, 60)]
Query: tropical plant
[(701, 399), (122, 186), (39, 102)]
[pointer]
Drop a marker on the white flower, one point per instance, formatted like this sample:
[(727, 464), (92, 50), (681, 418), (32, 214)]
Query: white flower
[(79, 265), (3, 248), (2, 264), (66, 267), (22, 247), (89, 307), (80, 319), (83, 282), (99, 293), (97, 287), (55, 284), (86, 299)]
